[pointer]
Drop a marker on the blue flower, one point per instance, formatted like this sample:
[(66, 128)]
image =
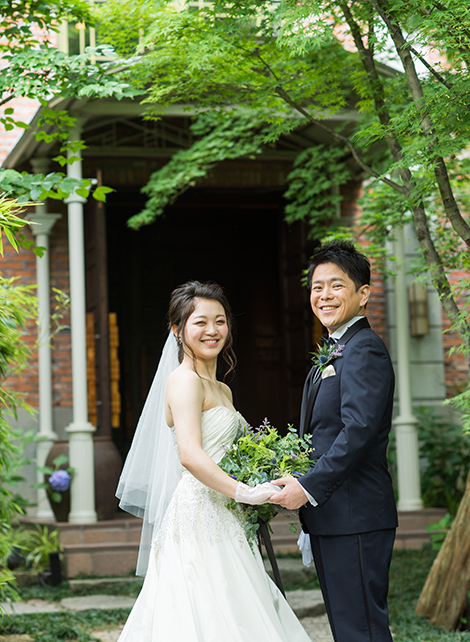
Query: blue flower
[(326, 354), (60, 481)]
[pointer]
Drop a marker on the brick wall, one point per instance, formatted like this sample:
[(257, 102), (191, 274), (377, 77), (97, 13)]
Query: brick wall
[(24, 111), (456, 365), (23, 266), (376, 308)]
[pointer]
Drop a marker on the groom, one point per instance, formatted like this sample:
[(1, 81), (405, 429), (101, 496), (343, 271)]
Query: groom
[(346, 500)]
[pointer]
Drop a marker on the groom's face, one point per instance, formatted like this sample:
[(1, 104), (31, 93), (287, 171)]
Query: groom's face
[(334, 297)]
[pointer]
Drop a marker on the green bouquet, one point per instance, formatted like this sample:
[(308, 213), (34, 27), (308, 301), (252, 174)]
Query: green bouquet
[(259, 455)]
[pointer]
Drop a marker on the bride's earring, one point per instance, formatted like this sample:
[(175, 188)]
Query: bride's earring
[(179, 340)]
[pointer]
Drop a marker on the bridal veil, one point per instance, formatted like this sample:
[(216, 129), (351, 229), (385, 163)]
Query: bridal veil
[(152, 469)]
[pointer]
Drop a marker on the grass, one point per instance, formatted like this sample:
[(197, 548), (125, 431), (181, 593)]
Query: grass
[(407, 575), (61, 627), (128, 589)]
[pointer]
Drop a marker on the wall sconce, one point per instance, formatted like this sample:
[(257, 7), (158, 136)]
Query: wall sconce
[(419, 318)]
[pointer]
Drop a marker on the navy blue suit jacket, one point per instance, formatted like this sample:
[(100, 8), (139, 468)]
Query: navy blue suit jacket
[(349, 426)]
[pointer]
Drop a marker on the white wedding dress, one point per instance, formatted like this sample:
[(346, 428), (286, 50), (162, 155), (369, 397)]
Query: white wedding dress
[(204, 582)]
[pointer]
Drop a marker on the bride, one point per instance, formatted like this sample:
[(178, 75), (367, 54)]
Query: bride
[(203, 583)]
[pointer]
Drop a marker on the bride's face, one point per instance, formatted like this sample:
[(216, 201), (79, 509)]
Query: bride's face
[(206, 329)]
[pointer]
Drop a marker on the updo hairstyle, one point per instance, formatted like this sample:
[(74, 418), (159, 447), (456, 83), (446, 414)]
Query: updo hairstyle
[(182, 305)]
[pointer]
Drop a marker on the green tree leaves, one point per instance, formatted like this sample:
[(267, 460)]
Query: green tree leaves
[(34, 68)]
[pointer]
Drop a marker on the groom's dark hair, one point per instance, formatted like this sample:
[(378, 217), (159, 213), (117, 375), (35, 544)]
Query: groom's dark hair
[(346, 257)]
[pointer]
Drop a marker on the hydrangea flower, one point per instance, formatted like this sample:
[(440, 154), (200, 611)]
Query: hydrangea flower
[(60, 481)]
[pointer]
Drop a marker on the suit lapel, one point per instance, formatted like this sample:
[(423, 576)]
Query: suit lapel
[(308, 398), (350, 332)]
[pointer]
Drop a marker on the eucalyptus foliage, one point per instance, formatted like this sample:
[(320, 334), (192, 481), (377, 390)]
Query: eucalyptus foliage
[(260, 455), (32, 67)]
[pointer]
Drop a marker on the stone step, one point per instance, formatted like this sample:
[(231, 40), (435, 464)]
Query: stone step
[(411, 532), (105, 559), (110, 548), (418, 520)]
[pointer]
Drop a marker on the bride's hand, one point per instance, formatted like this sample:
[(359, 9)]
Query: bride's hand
[(258, 494)]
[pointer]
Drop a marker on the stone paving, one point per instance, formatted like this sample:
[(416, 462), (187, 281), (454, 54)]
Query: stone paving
[(308, 605), (317, 628)]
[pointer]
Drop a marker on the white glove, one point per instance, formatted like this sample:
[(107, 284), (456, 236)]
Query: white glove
[(259, 494)]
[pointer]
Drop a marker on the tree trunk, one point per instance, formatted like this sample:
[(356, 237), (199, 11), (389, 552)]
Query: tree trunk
[(444, 596)]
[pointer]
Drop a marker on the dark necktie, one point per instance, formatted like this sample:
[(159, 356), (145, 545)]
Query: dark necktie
[(328, 341)]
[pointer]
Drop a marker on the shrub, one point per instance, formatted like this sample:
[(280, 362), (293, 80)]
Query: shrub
[(445, 461), (17, 307)]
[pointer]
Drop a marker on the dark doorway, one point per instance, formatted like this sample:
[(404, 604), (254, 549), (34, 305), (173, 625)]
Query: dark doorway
[(235, 238)]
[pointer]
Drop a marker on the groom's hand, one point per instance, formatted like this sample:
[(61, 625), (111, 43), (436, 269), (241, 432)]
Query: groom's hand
[(292, 495)]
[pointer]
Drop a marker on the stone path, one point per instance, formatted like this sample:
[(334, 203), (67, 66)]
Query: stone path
[(308, 606), (317, 628)]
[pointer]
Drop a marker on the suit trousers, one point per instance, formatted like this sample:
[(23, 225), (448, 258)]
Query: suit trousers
[(353, 572)]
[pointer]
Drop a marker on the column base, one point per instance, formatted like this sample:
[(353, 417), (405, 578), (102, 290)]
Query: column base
[(43, 447), (80, 426), (405, 423), (81, 458), (408, 505), (83, 517)]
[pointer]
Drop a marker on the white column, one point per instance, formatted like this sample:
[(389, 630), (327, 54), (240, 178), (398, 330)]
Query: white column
[(43, 224), (409, 489), (82, 494)]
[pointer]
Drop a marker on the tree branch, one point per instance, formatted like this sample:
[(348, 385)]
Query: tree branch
[(344, 139), (459, 224), (6, 100), (376, 84), (428, 248), (463, 48), (282, 93), (391, 27), (438, 275)]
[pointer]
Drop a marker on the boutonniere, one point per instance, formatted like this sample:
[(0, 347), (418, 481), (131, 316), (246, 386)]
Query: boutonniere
[(326, 354)]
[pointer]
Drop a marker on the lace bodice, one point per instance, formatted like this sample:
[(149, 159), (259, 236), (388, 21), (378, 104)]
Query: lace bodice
[(196, 510)]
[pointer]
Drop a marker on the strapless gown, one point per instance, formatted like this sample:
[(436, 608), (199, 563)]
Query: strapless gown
[(204, 582)]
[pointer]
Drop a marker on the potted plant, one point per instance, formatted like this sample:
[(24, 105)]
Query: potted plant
[(56, 483)]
